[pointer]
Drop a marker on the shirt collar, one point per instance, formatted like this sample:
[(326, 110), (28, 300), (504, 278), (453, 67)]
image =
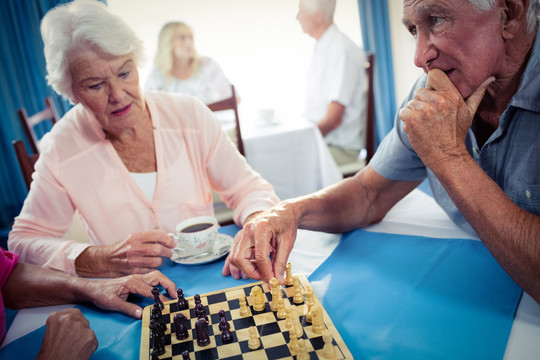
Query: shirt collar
[(528, 91), (327, 36)]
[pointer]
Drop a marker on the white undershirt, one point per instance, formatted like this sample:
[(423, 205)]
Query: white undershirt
[(147, 183)]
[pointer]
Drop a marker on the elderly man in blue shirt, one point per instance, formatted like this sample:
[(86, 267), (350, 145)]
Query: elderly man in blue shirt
[(471, 125)]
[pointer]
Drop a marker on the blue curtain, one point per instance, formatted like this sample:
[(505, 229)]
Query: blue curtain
[(22, 84), (375, 25)]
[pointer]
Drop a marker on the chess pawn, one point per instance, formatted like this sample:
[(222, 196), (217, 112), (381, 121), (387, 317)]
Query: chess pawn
[(288, 322), (223, 323), (201, 313), (317, 325), (185, 355), (274, 290), (281, 313), (302, 351), (288, 275), (182, 302), (298, 297), (293, 345), (197, 299), (244, 309), (158, 338), (156, 315), (309, 303), (253, 343), (157, 300), (258, 299), (225, 327), (297, 328), (329, 350), (221, 313)]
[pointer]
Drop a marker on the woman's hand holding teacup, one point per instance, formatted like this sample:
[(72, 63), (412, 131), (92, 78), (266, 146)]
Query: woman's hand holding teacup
[(139, 253), (194, 237)]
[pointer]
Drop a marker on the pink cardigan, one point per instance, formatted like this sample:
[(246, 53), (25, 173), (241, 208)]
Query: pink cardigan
[(79, 169)]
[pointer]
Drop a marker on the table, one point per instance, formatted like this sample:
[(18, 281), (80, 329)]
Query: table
[(384, 285), (289, 153)]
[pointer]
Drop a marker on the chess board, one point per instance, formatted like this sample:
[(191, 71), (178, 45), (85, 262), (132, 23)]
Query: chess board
[(273, 333)]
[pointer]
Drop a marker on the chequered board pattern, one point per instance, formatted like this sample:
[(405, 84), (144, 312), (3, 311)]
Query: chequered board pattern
[(272, 331)]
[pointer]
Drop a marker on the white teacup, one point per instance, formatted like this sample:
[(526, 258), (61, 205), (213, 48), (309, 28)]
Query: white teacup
[(194, 236)]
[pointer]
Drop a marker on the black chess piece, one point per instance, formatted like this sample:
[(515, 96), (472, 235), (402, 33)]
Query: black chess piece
[(158, 338), (201, 313), (226, 335), (182, 302), (222, 322), (197, 299), (157, 316), (222, 318), (203, 339), (180, 327), (185, 355), (157, 300)]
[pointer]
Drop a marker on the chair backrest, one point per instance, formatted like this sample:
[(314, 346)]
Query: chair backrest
[(29, 122), (370, 116), (26, 161), (231, 104)]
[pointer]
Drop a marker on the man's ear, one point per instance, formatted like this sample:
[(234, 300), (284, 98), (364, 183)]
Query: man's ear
[(515, 16)]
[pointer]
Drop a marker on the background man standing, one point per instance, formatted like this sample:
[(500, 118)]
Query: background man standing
[(337, 83)]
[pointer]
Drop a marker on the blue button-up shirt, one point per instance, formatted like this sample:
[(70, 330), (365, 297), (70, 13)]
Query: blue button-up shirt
[(511, 156)]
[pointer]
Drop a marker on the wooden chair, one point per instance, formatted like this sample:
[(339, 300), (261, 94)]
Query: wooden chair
[(29, 122), (349, 170), (223, 214), (26, 161), (231, 104), (370, 117)]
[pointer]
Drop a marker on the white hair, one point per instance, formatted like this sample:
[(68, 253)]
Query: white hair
[(79, 25), (533, 12), (328, 7)]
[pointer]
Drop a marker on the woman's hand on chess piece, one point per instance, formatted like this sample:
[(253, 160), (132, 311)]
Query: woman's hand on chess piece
[(67, 336)]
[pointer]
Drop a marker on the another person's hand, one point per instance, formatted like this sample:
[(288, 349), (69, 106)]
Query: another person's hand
[(67, 336), (139, 253), (111, 294), (261, 249), (438, 118)]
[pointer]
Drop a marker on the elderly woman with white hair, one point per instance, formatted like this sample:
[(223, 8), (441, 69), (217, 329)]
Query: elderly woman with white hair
[(132, 166), (179, 68)]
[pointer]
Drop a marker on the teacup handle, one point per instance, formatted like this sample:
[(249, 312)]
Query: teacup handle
[(177, 248)]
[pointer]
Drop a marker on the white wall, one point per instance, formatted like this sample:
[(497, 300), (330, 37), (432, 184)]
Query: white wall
[(258, 43)]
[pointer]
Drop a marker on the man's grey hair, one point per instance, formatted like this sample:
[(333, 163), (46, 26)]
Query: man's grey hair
[(533, 13), (328, 7)]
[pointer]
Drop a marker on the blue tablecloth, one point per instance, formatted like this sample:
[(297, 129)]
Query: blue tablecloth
[(390, 296), (412, 297)]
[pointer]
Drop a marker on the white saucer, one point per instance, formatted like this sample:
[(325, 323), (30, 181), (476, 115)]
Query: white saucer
[(221, 247)]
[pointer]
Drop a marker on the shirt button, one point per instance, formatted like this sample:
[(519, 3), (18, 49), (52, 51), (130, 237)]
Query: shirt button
[(528, 194)]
